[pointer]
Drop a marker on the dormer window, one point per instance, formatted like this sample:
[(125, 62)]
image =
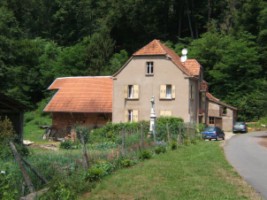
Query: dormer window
[(149, 68)]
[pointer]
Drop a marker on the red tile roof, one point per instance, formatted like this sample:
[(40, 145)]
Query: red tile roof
[(155, 47), (211, 97), (81, 94), (217, 101), (193, 66)]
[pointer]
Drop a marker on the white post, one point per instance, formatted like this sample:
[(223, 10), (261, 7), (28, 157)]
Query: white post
[(152, 118)]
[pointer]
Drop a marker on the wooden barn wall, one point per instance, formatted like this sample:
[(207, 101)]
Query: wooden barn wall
[(64, 121), (17, 121)]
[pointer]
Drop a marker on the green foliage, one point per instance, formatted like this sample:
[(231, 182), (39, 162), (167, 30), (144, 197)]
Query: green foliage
[(113, 131), (98, 171), (229, 62), (145, 155), (59, 190), (126, 162), (7, 132), (67, 144), (168, 127), (10, 179), (7, 191), (118, 60), (160, 149), (82, 133), (173, 145), (103, 145)]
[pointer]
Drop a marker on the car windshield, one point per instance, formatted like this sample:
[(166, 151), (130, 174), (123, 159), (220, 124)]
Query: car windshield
[(239, 123), (209, 129)]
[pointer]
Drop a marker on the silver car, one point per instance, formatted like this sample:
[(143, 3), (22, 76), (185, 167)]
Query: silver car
[(240, 127)]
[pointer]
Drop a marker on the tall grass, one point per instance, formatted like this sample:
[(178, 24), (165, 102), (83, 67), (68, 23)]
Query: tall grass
[(197, 171)]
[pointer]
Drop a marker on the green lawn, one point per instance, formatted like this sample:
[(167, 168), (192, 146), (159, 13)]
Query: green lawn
[(32, 130), (197, 171)]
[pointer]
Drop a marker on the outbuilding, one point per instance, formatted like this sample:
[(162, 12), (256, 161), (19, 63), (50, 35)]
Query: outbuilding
[(14, 111), (83, 101)]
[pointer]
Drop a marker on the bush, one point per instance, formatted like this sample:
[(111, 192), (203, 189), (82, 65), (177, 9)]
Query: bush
[(98, 171), (126, 162), (173, 145), (7, 132), (112, 131), (145, 154), (169, 125), (94, 174), (160, 149), (59, 190), (7, 191), (67, 144)]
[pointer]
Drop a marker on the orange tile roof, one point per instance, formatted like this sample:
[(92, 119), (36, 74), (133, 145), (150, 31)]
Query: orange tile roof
[(193, 66), (155, 47), (81, 94), (216, 100), (211, 97)]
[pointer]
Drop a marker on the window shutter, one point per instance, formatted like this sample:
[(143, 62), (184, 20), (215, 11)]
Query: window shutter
[(162, 91), (136, 91), (126, 113), (168, 113), (135, 115), (173, 91), (125, 91), (165, 113)]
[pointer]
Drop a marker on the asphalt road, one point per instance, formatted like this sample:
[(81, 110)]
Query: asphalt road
[(249, 158)]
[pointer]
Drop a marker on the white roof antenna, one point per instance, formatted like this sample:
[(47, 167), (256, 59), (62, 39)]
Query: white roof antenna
[(184, 55)]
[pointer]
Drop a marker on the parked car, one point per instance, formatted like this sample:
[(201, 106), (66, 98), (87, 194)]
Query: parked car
[(213, 132), (240, 127)]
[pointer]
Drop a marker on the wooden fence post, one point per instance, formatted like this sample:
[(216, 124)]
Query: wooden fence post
[(26, 176)]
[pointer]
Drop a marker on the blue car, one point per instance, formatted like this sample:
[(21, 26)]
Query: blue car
[(213, 132)]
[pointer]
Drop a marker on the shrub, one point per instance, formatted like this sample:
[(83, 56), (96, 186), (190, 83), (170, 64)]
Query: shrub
[(59, 190), (7, 132), (126, 162), (160, 149), (98, 171), (187, 141), (145, 154), (94, 174), (168, 125), (67, 144), (7, 191), (82, 133), (173, 145)]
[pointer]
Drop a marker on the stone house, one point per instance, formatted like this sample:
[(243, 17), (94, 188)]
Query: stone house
[(153, 71)]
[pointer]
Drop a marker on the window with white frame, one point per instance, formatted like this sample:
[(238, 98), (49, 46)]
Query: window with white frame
[(149, 68), (167, 91), (131, 91)]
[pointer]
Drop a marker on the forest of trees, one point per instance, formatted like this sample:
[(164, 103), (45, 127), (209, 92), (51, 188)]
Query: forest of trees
[(41, 40)]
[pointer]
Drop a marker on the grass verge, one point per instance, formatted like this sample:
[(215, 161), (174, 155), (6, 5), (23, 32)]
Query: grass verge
[(197, 171)]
